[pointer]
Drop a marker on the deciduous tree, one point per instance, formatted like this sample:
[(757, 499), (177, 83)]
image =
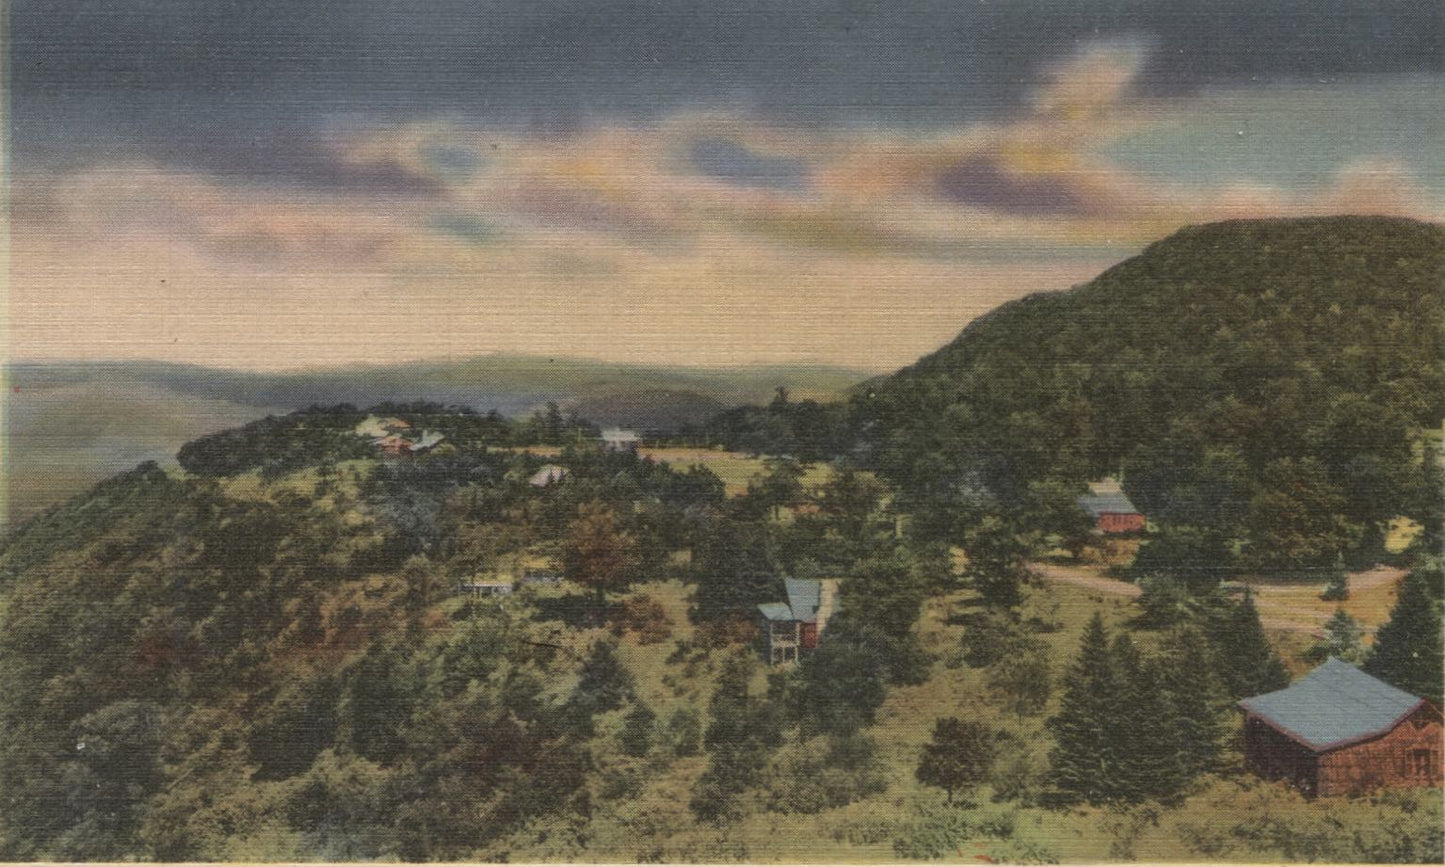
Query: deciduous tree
[(958, 757)]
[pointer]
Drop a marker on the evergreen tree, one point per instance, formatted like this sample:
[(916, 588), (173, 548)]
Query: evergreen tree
[(1407, 651), (1342, 640), (1083, 763), (1246, 662), (603, 684), (739, 738), (959, 756), (995, 565), (684, 729), (781, 486), (1146, 744), (1338, 589), (1195, 700)]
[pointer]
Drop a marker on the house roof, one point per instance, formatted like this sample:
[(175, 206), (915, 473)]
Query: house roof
[(1108, 503), (1334, 705), (804, 596), (776, 611), (428, 439)]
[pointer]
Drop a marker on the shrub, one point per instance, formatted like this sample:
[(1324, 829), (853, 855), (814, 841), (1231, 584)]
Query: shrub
[(644, 616), (822, 773), (987, 638), (1018, 772)]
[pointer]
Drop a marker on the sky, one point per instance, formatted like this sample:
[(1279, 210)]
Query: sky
[(277, 184)]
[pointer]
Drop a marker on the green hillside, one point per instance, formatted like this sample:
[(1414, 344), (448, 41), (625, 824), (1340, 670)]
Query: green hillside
[(270, 657), (1266, 385)]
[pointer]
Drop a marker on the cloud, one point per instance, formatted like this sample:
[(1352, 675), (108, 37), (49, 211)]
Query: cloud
[(712, 236), (1092, 83)]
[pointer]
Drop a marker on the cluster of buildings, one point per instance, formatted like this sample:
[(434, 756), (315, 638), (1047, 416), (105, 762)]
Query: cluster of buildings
[(506, 587), (396, 437)]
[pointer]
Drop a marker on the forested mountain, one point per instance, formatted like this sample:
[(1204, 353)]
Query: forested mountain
[(1262, 386)]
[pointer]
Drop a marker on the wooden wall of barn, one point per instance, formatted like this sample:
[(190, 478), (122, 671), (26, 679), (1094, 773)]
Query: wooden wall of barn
[(1394, 759), (1112, 522), (1275, 756)]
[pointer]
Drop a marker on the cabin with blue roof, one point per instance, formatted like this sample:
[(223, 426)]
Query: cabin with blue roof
[(792, 627), (1111, 509), (1339, 731)]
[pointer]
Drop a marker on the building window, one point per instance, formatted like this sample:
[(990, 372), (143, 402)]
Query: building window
[(1420, 760)]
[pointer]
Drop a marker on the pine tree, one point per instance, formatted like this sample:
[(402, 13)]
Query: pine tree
[(1083, 764), (603, 684), (1407, 650), (1429, 510), (995, 568), (1338, 588), (1195, 698), (742, 732), (1246, 662), (1145, 738), (1342, 640)]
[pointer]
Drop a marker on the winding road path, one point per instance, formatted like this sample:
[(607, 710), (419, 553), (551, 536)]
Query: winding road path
[(1275, 613)]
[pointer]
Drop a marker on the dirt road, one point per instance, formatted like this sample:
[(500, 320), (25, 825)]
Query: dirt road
[(1276, 612)]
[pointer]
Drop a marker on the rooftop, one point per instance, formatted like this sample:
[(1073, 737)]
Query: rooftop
[(804, 596), (776, 611), (1106, 497), (1334, 705)]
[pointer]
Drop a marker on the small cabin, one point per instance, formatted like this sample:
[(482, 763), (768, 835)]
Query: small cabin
[(616, 439), (789, 628), (1110, 509), (1339, 731)]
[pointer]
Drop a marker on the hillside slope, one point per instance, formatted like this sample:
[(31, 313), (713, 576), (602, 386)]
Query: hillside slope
[(1291, 358)]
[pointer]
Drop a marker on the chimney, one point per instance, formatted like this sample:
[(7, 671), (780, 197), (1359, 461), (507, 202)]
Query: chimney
[(827, 602)]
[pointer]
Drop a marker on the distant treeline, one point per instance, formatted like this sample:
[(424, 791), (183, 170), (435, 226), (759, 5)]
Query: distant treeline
[(326, 434)]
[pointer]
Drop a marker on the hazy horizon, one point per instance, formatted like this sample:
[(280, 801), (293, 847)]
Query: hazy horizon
[(441, 361)]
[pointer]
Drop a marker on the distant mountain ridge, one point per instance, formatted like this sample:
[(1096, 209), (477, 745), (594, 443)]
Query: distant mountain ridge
[(510, 384), (71, 424)]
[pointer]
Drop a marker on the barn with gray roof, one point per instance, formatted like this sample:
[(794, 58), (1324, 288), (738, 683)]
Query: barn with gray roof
[(1339, 731)]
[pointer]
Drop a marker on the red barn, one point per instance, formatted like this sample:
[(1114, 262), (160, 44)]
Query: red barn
[(1110, 508), (1339, 731)]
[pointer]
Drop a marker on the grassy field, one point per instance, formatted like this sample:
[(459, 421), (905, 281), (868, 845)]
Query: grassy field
[(734, 468)]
